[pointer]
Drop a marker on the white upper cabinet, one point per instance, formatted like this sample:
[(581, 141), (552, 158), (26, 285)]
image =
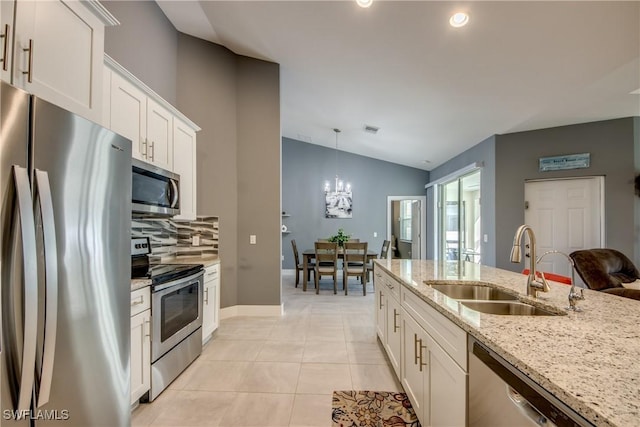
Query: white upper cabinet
[(153, 125), (6, 40), (58, 52), (159, 142), (128, 114), (184, 164)]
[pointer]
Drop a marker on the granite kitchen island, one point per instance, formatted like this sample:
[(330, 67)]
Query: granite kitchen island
[(588, 360)]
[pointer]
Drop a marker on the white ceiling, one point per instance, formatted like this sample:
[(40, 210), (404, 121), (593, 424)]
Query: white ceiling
[(433, 90)]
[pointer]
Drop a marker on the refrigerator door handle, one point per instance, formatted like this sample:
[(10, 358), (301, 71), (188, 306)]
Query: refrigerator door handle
[(51, 280), (29, 253)]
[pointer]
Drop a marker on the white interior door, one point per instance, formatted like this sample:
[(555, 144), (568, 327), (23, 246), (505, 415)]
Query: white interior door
[(566, 215)]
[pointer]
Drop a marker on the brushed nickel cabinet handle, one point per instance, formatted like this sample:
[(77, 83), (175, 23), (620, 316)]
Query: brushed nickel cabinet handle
[(395, 325), (144, 147), (152, 145), (381, 305), (206, 296), (415, 349), (29, 71), (148, 323), (138, 301), (421, 360), (5, 36)]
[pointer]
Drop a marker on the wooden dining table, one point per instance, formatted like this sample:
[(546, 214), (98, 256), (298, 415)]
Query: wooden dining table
[(309, 254)]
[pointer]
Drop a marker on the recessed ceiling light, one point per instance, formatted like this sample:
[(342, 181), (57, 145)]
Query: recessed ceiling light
[(459, 19), (364, 3), (426, 162)]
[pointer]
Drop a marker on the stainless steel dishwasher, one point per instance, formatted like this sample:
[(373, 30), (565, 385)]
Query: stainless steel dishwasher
[(502, 396)]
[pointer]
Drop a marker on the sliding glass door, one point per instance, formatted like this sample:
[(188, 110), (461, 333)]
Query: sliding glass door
[(459, 233)]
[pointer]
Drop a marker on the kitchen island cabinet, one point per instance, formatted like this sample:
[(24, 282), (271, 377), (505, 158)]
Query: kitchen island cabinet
[(554, 352)]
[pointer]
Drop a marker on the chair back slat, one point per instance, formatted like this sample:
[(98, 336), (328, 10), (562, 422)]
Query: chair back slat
[(355, 252), (326, 252)]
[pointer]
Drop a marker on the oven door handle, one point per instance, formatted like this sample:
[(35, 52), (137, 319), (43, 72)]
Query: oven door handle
[(183, 281)]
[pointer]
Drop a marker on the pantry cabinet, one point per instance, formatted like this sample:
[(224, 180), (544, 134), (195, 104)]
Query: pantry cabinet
[(211, 302), (54, 49)]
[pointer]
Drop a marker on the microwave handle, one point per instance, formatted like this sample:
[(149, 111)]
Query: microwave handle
[(175, 196)]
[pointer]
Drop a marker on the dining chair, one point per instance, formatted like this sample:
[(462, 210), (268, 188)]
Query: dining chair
[(355, 264), (383, 255), (300, 265), (326, 263)]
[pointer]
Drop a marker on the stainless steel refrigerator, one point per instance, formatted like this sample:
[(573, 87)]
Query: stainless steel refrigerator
[(65, 184)]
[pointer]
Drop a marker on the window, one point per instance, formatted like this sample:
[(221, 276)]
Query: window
[(405, 219)]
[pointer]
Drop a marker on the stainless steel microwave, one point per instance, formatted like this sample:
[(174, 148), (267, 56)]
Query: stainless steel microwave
[(154, 191)]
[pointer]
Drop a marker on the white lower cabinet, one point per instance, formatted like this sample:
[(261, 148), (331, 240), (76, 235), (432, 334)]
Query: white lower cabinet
[(211, 302), (140, 343), (415, 372), (428, 353), (388, 316), (434, 383)]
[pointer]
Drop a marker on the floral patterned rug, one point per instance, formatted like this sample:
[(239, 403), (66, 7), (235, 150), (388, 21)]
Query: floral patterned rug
[(372, 409)]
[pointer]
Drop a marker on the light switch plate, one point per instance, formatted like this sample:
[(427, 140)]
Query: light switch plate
[(252, 239), (375, 234)]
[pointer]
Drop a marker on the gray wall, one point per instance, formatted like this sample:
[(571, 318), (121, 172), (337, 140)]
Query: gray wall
[(145, 43), (235, 100), (258, 162), (636, 200), (611, 144), (484, 152), (207, 95), (305, 168)]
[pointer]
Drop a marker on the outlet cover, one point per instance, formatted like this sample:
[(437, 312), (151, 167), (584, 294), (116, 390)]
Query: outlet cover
[(375, 234), (252, 239), (195, 240)]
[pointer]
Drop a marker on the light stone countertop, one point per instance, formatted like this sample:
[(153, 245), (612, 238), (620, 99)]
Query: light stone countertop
[(589, 360), (139, 284)]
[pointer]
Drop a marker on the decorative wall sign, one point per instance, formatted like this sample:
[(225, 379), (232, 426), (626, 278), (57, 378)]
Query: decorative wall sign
[(338, 204), (570, 161)]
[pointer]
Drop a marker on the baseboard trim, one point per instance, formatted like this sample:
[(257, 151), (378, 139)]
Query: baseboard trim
[(251, 310)]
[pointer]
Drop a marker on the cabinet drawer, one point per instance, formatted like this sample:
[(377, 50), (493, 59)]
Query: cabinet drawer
[(140, 300), (212, 273), (385, 282), (448, 335)]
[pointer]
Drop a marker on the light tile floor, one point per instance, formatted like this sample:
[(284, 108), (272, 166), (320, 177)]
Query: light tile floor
[(279, 371)]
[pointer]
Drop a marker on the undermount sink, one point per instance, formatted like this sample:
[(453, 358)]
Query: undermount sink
[(508, 308), (474, 292)]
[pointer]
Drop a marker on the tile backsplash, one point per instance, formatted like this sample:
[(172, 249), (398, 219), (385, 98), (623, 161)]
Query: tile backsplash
[(172, 238)]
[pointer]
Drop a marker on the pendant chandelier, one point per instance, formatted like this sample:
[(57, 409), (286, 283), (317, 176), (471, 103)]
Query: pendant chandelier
[(340, 186)]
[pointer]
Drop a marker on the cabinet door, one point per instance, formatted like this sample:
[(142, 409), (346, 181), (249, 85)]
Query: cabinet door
[(140, 354), (211, 302), (159, 135), (448, 389), (129, 114), (184, 164), (415, 373), (381, 301), (6, 41), (393, 343), (58, 54)]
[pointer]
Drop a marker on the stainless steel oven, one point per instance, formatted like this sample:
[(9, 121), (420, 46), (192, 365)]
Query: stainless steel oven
[(176, 307)]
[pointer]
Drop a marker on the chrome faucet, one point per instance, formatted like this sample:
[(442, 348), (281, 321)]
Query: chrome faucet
[(534, 285), (573, 294)]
